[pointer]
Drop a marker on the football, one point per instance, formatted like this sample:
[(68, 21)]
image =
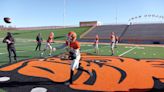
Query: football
[(54, 49), (8, 41), (7, 20)]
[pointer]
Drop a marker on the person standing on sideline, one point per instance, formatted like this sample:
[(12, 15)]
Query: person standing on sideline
[(96, 44), (113, 40), (9, 40), (39, 42)]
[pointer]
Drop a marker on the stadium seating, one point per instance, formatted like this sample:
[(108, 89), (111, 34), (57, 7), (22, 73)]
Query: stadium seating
[(136, 33), (104, 31), (144, 33)]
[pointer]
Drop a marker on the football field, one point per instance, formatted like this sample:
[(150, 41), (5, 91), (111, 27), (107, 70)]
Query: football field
[(26, 50), (108, 73)]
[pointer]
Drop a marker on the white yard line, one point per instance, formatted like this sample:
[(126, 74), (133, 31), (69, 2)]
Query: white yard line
[(127, 51), (7, 53), (2, 53), (128, 47)]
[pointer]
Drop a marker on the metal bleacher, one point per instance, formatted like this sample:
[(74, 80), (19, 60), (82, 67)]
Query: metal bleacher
[(136, 33), (105, 30), (144, 33)]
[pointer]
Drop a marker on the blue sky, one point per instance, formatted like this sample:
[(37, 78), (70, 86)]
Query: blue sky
[(50, 12)]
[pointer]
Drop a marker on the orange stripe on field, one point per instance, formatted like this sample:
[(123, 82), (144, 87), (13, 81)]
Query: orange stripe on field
[(12, 67), (61, 71)]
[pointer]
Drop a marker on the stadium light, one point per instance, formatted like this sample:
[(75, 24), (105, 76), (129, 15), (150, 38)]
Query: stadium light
[(150, 16)]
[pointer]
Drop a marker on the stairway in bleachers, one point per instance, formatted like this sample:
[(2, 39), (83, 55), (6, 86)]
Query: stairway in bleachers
[(126, 28), (104, 31)]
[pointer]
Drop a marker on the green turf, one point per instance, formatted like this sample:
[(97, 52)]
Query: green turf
[(26, 50), (147, 52), (1, 90), (25, 41), (31, 34), (138, 52)]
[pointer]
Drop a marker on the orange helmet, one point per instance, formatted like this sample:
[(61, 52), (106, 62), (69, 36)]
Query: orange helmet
[(72, 36), (70, 33)]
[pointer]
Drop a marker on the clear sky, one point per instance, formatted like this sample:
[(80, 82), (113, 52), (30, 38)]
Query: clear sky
[(50, 12)]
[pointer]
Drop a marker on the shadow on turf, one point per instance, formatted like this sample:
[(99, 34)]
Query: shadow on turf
[(58, 37), (15, 33)]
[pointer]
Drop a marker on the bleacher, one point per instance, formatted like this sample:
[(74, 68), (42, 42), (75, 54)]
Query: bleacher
[(136, 33), (104, 31), (144, 33)]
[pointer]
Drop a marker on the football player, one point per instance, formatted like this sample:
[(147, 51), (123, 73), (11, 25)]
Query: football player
[(9, 40)]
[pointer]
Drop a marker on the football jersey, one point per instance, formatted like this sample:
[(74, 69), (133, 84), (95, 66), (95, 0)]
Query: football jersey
[(49, 40), (75, 45), (112, 37)]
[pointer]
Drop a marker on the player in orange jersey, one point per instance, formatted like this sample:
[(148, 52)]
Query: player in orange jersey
[(50, 40), (73, 47), (74, 53)]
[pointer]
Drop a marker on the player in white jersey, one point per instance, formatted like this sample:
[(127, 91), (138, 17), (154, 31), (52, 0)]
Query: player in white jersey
[(113, 41)]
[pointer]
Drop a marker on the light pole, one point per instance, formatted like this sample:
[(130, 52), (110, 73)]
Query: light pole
[(116, 15), (64, 13), (116, 11)]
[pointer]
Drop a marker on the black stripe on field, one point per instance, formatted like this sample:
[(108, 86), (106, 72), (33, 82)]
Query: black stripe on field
[(46, 69), (158, 85), (77, 75), (122, 60), (92, 79), (123, 73)]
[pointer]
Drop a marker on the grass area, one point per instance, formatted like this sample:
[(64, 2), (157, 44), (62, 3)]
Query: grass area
[(31, 34), (26, 50), (147, 52), (25, 45), (141, 52), (1, 90)]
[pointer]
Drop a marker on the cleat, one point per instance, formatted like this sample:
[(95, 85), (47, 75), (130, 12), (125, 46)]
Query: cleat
[(49, 55)]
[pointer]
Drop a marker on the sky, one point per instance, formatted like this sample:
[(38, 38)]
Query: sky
[(29, 13)]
